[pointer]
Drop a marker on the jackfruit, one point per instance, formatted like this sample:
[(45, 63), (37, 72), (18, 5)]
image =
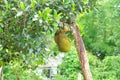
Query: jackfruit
[(62, 40)]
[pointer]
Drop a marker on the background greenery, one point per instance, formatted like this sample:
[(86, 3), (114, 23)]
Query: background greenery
[(106, 69), (101, 29), (27, 29)]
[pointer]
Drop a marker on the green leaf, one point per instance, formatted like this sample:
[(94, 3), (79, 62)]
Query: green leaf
[(6, 70), (39, 13), (55, 24), (7, 50), (33, 3), (67, 1), (22, 5), (46, 13), (1, 30), (7, 5), (85, 1), (1, 48)]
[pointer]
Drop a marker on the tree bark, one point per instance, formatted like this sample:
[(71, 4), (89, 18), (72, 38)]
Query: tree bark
[(82, 53)]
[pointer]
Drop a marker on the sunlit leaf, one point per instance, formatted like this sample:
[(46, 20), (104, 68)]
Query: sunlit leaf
[(40, 14), (19, 13), (1, 48), (7, 50), (7, 5), (1, 30), (65, 1), (35, 17), (85, 1), (54, 24), (22, 5), (33, 3)]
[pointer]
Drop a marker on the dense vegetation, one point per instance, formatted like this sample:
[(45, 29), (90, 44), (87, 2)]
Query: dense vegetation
[(101, 29), (107, 69), (27, 29)]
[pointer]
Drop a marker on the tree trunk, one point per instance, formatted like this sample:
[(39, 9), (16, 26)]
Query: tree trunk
[(82, 53)]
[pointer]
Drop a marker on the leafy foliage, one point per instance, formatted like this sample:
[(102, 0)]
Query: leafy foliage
[(25, 25), (101, 29), (107, 69), (15, 71), (26, 28), (23, 29), (70, 66)]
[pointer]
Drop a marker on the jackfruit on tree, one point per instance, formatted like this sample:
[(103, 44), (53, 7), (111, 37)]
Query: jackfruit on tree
[(62, 40)]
